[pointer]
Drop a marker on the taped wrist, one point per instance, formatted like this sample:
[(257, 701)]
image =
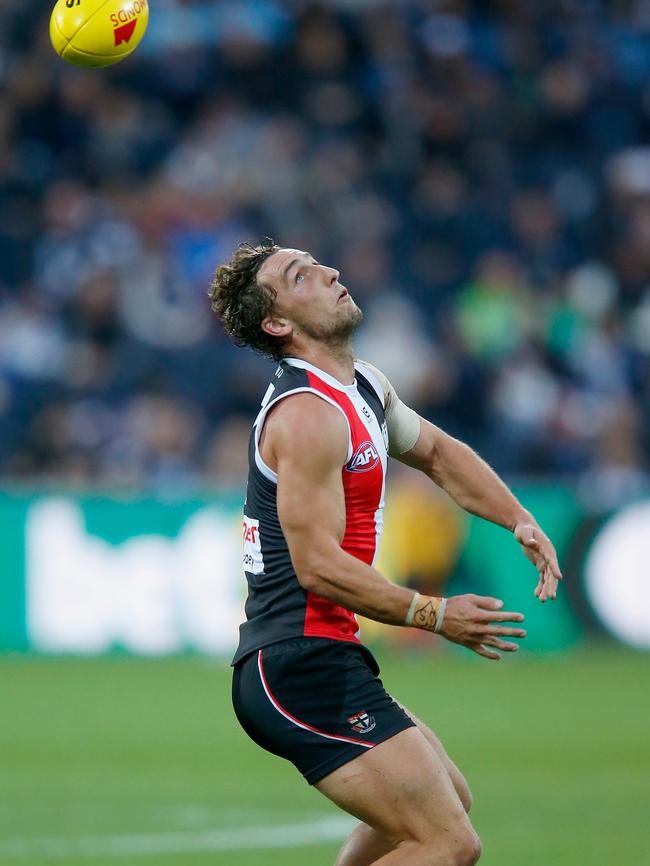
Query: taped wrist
[(427, 612), (411, 611)]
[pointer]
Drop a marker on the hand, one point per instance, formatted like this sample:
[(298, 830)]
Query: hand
[(539, 549), (470, 620)]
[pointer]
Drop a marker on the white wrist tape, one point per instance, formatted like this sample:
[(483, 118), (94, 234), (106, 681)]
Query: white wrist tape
[(440, 615), (411, 610)]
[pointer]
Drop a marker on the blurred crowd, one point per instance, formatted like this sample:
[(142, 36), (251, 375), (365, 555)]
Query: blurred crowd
[(479, 173)]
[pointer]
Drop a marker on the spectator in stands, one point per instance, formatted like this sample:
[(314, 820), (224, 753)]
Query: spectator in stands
[(480, 174)]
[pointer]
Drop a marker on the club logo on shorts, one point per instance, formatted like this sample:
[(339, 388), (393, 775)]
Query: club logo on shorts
[(365, 458), (362, 722)]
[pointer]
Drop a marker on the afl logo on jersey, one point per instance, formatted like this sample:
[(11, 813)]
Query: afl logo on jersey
[(365, 458)]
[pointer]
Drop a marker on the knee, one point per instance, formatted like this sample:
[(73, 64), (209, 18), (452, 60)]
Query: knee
[(463, 849), (467, 849)]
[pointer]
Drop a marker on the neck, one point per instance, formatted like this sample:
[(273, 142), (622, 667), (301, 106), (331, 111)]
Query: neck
[(338, 361)]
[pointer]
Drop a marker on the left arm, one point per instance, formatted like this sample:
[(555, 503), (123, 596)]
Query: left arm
[(477, 488), (467, 478), (469, 481)]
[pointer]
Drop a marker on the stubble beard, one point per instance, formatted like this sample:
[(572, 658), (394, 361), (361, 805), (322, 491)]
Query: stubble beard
[(338, 332)]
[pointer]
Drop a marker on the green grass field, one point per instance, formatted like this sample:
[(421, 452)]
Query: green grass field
[(124, 761)]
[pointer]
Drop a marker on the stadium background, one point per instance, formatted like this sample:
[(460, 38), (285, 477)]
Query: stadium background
[(480, 173)]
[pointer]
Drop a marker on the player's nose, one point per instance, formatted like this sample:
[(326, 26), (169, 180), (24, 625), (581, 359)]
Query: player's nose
[(332, 275)]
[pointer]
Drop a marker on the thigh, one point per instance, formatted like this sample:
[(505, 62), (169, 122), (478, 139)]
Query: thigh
[(458, 780), (401, 789), (366, 845)]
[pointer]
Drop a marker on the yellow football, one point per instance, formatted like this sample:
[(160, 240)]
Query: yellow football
[(97, 32)]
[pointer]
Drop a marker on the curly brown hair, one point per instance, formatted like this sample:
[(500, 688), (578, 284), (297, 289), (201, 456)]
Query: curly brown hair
[(241, 302)]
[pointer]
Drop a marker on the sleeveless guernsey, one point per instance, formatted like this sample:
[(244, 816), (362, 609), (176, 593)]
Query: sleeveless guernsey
[(278, 608)]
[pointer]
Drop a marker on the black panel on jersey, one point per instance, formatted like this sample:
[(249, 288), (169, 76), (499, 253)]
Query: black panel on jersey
[(371, 397), (276, 604), (275, 607)]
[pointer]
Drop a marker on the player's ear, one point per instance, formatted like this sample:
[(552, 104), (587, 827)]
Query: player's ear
[(276, 326)]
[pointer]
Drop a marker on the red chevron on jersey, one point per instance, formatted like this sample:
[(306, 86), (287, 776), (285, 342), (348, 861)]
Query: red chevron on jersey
[(363, 486)]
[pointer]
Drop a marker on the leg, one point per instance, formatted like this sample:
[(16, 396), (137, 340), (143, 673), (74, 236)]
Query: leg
[(458, 780), (366, 845), (402, 790), (363, 847)]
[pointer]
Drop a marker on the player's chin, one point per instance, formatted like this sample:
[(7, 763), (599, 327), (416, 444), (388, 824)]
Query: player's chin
[(348, 319), (352, 311)]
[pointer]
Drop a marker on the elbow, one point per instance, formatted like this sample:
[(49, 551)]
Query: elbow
[(435, 467), (309, 581), (312, 573)]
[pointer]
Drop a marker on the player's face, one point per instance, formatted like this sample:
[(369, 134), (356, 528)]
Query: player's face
[(310, 298)]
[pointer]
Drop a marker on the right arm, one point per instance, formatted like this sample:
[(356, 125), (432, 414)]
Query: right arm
[(305, 441)]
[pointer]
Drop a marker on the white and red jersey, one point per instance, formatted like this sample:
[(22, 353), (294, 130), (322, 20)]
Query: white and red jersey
[(278, 607)]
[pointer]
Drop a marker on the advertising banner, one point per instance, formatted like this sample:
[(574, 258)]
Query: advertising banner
[(92, 575)]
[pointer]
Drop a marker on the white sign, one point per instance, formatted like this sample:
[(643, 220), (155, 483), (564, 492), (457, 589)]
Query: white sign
[(617, 575), (149, 595)]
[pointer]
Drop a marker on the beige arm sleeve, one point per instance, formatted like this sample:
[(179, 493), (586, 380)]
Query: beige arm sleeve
[(402, 423)]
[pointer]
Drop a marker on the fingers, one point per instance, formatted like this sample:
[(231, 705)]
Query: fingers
[(506, 646), (554, 565), (540, 551), (550, 559), (549, 587), (501, 616), (543, 584), (479, 649), (504, 631), (485, 602), (548, 584), (547, 560), (491, 641)]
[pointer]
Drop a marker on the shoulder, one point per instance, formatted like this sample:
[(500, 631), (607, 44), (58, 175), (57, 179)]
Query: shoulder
[(306, 425), (378, 381)]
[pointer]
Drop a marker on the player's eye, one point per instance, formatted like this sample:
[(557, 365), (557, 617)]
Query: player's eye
[(299, 277)]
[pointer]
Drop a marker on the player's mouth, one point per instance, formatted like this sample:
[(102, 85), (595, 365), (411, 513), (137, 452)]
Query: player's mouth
[(344, 294)]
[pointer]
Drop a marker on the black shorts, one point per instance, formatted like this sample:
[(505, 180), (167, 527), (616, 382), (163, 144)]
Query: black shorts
[(319, 703)]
